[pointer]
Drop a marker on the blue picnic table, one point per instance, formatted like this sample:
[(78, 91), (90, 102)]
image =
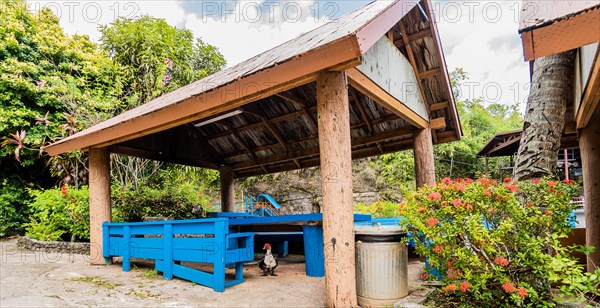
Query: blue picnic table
[(215, 240)]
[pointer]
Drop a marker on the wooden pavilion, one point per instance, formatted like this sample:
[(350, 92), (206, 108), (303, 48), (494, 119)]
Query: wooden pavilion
[(555, 26), (371, 82)]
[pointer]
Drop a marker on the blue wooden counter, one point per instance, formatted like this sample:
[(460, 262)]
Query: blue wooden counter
[(312, 230)]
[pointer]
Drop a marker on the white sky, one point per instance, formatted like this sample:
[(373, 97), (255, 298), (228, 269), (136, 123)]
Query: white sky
[(479, 36)]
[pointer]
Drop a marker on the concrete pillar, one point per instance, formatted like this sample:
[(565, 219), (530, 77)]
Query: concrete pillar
[(336, 181), (227, 193), (100, 207), (423, 155), (589, 145)]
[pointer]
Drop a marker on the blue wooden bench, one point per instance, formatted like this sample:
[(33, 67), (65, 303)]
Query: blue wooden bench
[(172, 241), (312, 233)]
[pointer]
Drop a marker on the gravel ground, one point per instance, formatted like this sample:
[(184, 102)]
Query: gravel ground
[(29, 279)]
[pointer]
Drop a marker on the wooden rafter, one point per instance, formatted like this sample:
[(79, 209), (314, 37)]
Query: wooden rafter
[(413, 37), (279, 138), (302, 104), (300, 154), (312, 137), (241, 142), (363, 113), (438, 123), (413, 61), (430, 73), (438, 106), (314, 160)]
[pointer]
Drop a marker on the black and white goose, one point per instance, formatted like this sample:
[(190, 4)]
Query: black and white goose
[(268, 262)]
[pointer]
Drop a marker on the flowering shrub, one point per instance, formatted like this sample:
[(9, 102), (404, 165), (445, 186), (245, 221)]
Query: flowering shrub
[(59, 214), (378, 209), (497, 242)]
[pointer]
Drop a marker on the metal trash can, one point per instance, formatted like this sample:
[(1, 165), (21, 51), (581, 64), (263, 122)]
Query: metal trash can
[(381, 265)]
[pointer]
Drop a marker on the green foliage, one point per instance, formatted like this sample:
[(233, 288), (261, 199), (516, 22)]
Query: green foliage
[(59, 214), (149, 48), (170, 194), (12, 212), (378, 209), (480, 122), (494, 243), (53, 85)]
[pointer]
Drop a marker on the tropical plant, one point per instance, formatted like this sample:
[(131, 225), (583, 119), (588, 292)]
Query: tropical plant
[(497, 243), (545, 117), (59, 214)]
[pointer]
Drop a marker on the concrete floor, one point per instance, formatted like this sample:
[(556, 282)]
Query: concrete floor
[(29, 279)]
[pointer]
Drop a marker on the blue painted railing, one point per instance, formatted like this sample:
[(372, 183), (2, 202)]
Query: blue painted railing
[(172, 241)]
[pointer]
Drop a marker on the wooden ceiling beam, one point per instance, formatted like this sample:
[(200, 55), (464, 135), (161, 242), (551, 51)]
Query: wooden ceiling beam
[(438, 106), (135, 152), (259, 124), (315, 161), (438, 123), (309, 137), (363, 113), (413, 62), (413, 37), (430, 73), (302, 104), (300, 154)]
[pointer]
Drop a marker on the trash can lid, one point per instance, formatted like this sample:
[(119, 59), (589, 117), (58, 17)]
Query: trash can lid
[(377, 229)]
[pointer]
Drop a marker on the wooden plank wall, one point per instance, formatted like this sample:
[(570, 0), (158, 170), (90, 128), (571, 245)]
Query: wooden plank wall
[(388, 68)]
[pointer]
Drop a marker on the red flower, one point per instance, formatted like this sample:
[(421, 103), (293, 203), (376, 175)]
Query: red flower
[(507, 180), (460, 187), (511, 187), (63, 190), (457, 202), (530, 204), (522, 292), (450, 288), (568, 181), (549, 213), (501, 261), (535, 181), (552, 183), (465, 286), (509, 287), (469, 207), (435, 196), (432, 221), (424, 276), (446, 180), (487, 192), (421, 209), (438, 249)]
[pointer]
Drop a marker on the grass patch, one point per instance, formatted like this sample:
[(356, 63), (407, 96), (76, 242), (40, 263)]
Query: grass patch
[(152, 273), (142, 294), (95, 280)]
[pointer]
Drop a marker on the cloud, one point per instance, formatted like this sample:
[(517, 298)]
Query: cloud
[(480, 37)]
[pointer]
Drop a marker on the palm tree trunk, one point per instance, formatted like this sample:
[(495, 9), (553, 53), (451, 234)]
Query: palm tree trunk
[(545, 116)]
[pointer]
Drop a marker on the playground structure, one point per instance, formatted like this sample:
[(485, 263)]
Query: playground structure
[(263, 205)]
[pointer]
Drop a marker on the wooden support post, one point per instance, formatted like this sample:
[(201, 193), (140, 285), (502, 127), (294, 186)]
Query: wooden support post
[(227, 197), (423, 155), (100, 209), (336, 180), (589, 144)]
